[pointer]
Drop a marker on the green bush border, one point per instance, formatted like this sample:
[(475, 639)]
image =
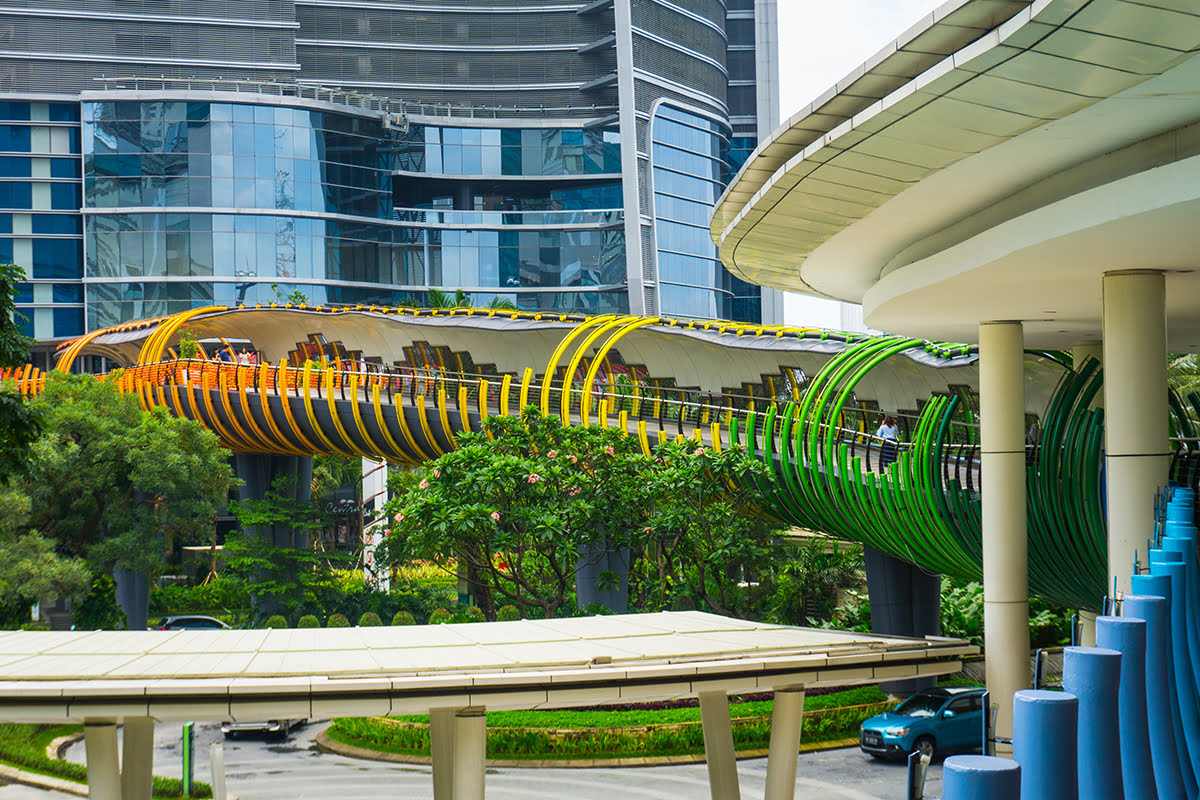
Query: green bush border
[(599, 734), (24, 746)]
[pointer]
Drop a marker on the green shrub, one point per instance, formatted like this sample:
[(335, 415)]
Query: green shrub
[(440, 616), (308, 621), (276, 621), (403, 618), (508, 613), (475, 614), (337, 621), (369, 620)]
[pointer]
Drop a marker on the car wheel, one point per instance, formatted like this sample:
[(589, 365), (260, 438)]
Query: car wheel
[(925, 747)]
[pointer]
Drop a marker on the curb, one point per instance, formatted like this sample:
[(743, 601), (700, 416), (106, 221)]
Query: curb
[(352, 751), (40, 781)]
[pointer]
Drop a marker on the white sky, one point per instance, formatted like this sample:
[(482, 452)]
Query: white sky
[(820, 42)]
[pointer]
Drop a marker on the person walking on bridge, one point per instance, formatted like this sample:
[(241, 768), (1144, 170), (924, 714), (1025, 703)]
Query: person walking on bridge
[(889, 433)]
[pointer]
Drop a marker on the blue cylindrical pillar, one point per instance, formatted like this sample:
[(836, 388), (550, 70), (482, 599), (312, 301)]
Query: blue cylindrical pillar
[(1160, 586), (1181, 674), (1185, 595), (1180, 512), (1045, 732), (1093, 674), (980, 778), (1127, 636), (1168, 778)]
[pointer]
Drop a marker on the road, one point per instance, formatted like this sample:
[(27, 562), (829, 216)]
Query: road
[(266, 770)]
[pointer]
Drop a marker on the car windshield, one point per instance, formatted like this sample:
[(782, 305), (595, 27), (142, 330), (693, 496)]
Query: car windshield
[(920, 705)]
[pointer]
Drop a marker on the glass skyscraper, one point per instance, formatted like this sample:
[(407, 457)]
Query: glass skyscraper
[(157, 156)]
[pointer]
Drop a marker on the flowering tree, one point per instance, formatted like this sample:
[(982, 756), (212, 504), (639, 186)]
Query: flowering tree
[(519, 510)]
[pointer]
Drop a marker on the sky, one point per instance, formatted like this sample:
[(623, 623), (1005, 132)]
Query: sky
[(820, 42)]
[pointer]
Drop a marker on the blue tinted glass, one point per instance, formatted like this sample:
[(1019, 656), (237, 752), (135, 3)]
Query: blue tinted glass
[(14, 138), (57, 223), (5, 223), (6, 256), (57, 258), (15, 111), (68, 292), (24, 290), (65, 196), (64, 168), (68, 322), (17, 195), (14, 167)]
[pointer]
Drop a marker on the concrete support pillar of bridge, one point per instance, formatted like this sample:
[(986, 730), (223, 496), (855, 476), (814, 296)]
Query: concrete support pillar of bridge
[(470, 752), (786, 720), (718, 746), (259, 471), (104, 771), (137, 758), (1005, 535), (905, 601), (441, 751), (1137, 457)]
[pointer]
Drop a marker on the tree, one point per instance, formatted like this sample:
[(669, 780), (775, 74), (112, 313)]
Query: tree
[(710, 540), (288, 580), (117, 485), (19, 424), (29, 566), (519, 510)]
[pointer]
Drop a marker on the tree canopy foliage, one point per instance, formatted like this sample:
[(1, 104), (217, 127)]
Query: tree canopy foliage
[(19, 424), (520, 509), (116, 485)]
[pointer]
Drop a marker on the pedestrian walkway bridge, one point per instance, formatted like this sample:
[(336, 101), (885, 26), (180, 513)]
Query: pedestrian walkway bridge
[(399, 384)]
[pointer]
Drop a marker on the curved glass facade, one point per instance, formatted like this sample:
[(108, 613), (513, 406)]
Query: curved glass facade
[(534, 214), (244, 195), (689, 156)]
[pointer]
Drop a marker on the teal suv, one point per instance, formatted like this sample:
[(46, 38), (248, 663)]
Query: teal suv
[(929, 721)]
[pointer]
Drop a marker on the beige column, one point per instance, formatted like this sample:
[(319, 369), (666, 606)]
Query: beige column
[(718, 746), (1135, 413), (786, 720), (137, 759), (441, 751), (470, 753), (1005, 538), (104, 772)]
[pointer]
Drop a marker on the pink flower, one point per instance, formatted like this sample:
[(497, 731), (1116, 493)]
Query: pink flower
[(552, 453), (608, 450), (646, 529), (573, 491), (573, 459), (534, 478), (424, 484), (700, 451), (399, 518), (496, 516), (437, 473)]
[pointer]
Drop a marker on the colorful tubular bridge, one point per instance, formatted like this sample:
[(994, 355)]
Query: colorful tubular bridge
[(399, 384)]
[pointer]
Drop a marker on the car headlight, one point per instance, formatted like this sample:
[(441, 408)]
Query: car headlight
[(897, 731)]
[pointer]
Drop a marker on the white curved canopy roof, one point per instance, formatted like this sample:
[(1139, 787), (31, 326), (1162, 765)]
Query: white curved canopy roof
[(999, 183)]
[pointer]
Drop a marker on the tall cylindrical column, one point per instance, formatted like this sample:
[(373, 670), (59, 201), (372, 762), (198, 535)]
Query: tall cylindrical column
[(1135, 418), (785, 744), (980, 778), (1045, 733), (1127, 636), (1181, 671), (104, 772), (1094, 676), (137, 759), (1168, 777), (1002, 481), (718, 746)]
